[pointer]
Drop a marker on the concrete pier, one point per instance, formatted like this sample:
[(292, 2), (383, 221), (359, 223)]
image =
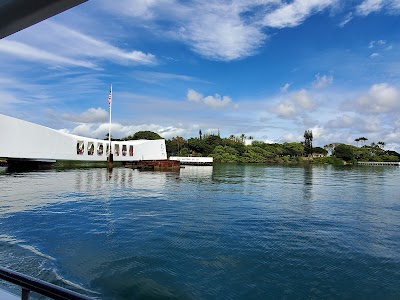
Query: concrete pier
[(379, 163)]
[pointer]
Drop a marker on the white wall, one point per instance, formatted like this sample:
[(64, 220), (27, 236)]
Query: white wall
[(21, 139)]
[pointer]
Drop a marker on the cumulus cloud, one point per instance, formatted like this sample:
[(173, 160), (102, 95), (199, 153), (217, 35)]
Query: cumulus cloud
[(375, 55), (289, 137), (285, 109), (344, 121), (293, 105), (356, 123), (215, 101), (380, 98), (92, 115), (322, 81), (194, 96), (303, 99), (318, 132), (119, 130)]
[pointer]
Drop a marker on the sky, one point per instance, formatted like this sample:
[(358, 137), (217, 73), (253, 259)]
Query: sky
[(270, 69)]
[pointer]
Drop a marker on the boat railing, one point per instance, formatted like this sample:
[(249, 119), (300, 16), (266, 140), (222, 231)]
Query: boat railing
[(44, 288)]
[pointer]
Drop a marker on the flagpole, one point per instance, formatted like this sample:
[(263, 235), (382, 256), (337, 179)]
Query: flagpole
[(110, 156), (109, 127)]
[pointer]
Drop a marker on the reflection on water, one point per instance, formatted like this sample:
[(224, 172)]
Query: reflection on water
[(227, 231), (197, 171)]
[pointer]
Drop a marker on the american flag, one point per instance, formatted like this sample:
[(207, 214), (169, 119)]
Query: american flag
[(109, 99)]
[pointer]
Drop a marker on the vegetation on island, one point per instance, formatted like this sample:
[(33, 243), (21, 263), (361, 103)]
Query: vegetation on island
[(236, 149)]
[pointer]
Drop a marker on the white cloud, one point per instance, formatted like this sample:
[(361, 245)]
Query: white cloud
[(346, 20), (322, 81), (344, 121), (285, 109), (294, 105), (380, 98), (77, 43), (294, 13), (215, 101), (369, 6), (395, 5), (219, 33), (119, 130), (34, 54), (218, 30), (356, 123), (285, 88), (373, 44), (381, 42), (64, 46), (375, 55), (289, 137), (92, 115), (138, 8), (318, 132), (303, 99), (156, 77), (194, 96)]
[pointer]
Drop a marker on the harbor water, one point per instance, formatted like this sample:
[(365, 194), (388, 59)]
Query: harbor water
[(226, 231)]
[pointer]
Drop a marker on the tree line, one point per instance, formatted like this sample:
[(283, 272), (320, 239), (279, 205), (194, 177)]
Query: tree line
[(234, 149)]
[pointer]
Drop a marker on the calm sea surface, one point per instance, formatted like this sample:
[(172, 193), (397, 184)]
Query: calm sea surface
[(222, 232)]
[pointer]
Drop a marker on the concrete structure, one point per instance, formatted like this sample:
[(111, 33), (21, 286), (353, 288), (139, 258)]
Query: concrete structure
[(201, 161), (16, 15), (25, 140)]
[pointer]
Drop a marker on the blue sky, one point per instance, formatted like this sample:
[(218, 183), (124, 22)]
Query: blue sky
[(266, 68)]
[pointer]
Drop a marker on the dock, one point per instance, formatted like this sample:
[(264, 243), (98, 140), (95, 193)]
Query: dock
[(154, 165), (193, 161), (379, 163)]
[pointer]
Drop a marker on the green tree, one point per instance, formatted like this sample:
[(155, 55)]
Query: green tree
[(176, 146), (144, 135), (320, 150), (293, 149), (224, 154), (345, 152)]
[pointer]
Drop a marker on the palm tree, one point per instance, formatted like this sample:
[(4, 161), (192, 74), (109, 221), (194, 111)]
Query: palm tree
[(357, 140), (242, 137), (381, 144), (363, 139)]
